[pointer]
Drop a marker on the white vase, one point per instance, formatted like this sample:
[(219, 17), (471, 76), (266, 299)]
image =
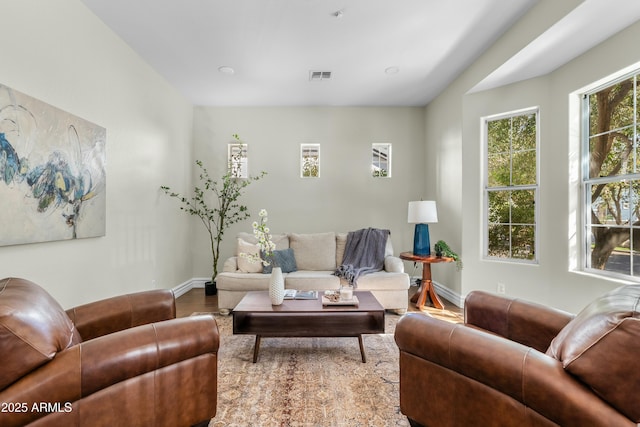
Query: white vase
[(276, 286)]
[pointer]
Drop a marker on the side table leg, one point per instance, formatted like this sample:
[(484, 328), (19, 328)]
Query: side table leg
[(364, 356), (256, 349), (420, 297), (435, 299), (427, 288)]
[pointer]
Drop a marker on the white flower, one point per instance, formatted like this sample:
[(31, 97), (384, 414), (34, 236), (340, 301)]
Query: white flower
[(262, 233)]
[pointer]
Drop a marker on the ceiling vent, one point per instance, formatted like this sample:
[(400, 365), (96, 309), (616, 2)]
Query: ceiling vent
[(318, 76)]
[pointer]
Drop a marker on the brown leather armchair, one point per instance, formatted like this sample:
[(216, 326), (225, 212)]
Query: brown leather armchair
[(515, 363), (121, 361)]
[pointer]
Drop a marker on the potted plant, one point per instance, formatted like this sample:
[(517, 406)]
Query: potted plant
[(442, 249), (216, 204)]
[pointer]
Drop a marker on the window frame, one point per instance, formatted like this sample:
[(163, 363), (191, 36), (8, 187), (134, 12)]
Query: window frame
[(238, 160), (586, 181), (376, 154), (305, 150), (486, 189)]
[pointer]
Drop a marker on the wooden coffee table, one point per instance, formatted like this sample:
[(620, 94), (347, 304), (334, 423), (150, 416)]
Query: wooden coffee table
[(255, 315)]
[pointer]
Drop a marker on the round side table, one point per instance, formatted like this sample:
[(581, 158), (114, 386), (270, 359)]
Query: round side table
[(426, 287)]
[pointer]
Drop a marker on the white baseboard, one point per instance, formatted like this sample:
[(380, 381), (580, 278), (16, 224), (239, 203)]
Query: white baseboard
[(183, 288), (198, 282), (449, 295), (446, 293)]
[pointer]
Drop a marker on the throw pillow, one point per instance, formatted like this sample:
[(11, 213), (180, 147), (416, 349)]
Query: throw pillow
[(284, 259), (245, 265), (600, 346)]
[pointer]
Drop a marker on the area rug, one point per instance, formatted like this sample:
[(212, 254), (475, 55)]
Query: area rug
[(309, 381)]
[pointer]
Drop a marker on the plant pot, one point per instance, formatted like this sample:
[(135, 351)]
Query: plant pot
[(210, 288)]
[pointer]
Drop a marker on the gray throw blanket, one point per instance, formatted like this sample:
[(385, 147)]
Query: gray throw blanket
[(363, 254)]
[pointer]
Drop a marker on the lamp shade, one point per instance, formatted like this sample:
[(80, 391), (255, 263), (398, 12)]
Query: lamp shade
[(422, 212)]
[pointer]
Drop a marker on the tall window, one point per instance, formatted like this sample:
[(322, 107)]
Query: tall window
[(511, 185), (611, 177)]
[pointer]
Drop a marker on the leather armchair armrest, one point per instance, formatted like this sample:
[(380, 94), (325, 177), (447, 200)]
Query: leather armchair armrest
[(520, 372), (393, 264), (94, 365), (533, 325), (144, 349), (122, 312)]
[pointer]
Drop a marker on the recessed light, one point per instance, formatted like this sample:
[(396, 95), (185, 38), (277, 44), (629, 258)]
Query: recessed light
[(392, 70), (226, 70)]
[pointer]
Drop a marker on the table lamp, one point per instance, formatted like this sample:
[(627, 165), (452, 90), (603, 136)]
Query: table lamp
[(421, 214)]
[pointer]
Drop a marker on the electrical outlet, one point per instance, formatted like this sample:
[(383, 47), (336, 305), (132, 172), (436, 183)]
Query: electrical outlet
[(501, 289)]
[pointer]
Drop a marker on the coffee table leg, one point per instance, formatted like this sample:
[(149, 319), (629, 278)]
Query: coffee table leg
[(256, 349), (364, 356)]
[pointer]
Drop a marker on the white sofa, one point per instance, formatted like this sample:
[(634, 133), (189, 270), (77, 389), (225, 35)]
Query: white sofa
[(317, 256)]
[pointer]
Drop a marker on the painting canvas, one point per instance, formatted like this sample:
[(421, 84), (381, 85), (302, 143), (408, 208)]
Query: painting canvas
[(52, 172)]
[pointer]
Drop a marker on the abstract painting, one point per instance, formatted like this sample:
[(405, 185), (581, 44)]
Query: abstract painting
[(52, 173)]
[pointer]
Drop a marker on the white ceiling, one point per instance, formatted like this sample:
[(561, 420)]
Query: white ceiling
[(587, 25), (272, 45)]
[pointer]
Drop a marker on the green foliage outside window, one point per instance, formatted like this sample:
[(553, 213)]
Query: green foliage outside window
[(310, 160), (613, 177), (511, 186)]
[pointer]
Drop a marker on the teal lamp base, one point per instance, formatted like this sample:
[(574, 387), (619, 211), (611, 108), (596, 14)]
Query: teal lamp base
[(421, 243)]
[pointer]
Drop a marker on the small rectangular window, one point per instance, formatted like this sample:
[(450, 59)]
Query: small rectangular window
[(238, 160), (309, 160), (381, 160)]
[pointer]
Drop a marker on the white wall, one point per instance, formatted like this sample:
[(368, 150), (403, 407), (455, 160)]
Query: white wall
[(60, 53), (345, 197), (552, 281)]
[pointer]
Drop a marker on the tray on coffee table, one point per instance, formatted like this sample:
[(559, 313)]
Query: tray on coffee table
[(352, 301)]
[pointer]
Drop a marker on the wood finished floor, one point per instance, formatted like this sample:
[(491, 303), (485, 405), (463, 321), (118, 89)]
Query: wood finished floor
[(196, 301)]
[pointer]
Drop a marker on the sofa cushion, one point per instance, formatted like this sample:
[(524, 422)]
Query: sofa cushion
[(600, 346), (284, 259), (341, 244), (305, 280), (246, 265), (242, 282), (314, 251), (33, 328), (382, 281)]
